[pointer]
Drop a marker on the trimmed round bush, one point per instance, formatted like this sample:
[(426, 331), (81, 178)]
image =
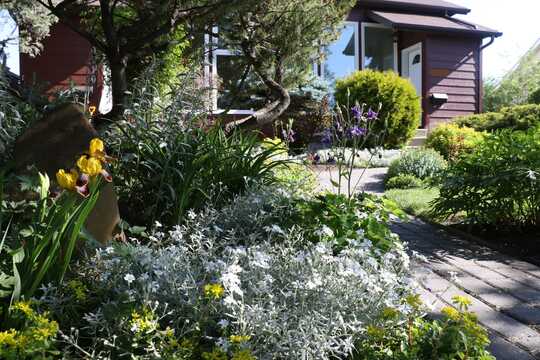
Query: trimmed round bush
[(451, 141), (422, 163), (400, 113), (404, 181)]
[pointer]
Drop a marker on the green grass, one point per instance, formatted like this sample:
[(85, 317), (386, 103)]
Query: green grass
[(414, 201)]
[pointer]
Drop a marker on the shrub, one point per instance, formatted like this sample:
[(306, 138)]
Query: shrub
[(497, 184), (534, 98), (451, 140), (399, 104), (457, 335), (404, 181), (520, 117), (422, 163), (310, 114), (168, 163), (232, 280)]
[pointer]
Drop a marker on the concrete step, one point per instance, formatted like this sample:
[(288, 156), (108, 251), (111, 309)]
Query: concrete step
[(419, 138)]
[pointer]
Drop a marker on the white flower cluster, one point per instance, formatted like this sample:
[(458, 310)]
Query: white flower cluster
[(296, 300)]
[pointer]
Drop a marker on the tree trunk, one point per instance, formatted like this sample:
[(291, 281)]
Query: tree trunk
[(119, 86), (269, 113)]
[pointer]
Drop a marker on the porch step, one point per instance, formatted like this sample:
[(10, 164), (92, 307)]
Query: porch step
[(419, 138)]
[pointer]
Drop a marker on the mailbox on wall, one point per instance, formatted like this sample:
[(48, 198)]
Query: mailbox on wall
[(438, 99)]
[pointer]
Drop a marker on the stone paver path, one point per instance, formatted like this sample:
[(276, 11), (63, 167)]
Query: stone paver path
[(505, 292), (372, 180)]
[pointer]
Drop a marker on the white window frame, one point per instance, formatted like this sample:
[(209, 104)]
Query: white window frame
[(356, 48), (363, 55), (214, 52)]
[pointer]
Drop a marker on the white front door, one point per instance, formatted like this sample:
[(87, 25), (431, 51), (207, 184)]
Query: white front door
[(411, 68), (411, 61)]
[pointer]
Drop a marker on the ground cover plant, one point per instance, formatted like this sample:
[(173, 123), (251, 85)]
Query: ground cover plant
[(421, 163)]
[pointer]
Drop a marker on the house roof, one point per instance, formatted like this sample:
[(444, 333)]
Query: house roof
[(431, 23), (440, 6)]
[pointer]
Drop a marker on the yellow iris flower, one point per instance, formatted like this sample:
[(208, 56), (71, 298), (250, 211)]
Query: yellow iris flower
[(97, 149), (89, 165), (66, 180)]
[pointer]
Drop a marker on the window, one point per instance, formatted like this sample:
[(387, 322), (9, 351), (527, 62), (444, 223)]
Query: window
[(232, 90), (342, 56), (379, 51)]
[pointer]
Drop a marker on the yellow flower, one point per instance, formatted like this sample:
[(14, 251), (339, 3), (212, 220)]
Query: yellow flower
[(243, 355), (451, 313), (414, 301), (97, 149), (390, 313), (143, 323), (462, 301), (78, 289), (239, 339), (8, 338), (213, 291), (66, 180), (92, 110), (216, 354), (25, 307), (89, 165)]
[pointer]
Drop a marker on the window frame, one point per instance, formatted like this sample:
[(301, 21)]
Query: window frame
[(322, 64), (211, 56), (363, 44)]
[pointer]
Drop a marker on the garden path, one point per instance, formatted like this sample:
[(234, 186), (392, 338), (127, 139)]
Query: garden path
[(372, 181), (505, 292)]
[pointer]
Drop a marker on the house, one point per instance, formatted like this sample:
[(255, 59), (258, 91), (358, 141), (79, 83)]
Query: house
[(422, 40)]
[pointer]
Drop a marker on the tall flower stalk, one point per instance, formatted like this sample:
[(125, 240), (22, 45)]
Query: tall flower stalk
[(351, 130)]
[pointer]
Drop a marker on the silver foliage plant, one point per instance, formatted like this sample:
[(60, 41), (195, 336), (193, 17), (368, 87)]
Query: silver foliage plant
[(293, 299)]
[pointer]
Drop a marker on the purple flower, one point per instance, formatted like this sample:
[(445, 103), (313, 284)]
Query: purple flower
[(331, 160), (357, 112), (316, 158), (356, 131), (372, 115)]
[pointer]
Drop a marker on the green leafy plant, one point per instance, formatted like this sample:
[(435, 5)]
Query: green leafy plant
[(336, 217), (404, 181), (400, 105), (42, 250), (535, 97), (456, 336), (498, 184), (414, 201), (520, 117), (422, 163), (451, 140), (30, 335)]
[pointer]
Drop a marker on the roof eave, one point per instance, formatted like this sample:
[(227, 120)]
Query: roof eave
[(416, 8)]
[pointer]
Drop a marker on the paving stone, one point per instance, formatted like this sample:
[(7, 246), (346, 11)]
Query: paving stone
[(502, 349), (524, 313), (508, 271)]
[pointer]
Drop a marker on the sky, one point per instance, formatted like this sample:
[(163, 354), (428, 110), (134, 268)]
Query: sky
[(519, 22)]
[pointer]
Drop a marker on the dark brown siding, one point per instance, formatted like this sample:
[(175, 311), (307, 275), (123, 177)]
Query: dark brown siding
[(452, 67), (66, 58)]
